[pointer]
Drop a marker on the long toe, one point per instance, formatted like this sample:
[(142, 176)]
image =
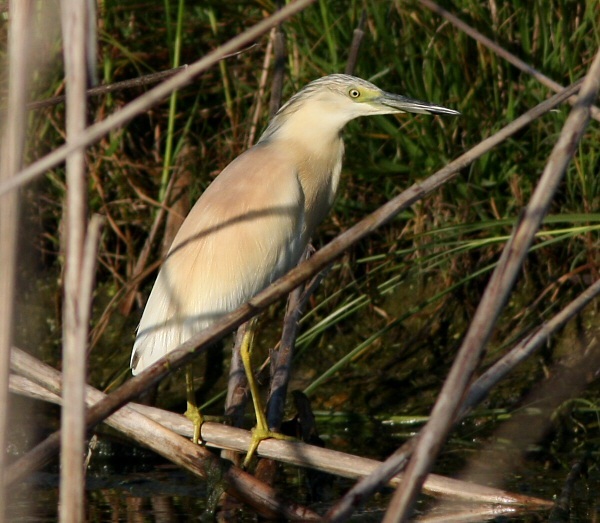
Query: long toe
[(259, 435)]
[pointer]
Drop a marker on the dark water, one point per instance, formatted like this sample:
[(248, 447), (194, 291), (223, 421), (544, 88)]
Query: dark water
[(126, 483)]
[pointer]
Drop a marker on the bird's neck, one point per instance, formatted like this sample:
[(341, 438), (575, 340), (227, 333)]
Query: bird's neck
[(315, 126), (315, 147)]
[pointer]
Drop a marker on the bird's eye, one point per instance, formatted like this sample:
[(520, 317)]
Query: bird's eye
[(354, 93)]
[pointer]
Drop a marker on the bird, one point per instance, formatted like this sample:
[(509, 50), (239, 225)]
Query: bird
[(253, 222)]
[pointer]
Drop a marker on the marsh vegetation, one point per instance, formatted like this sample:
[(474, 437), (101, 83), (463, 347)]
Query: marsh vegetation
[(382, 330)]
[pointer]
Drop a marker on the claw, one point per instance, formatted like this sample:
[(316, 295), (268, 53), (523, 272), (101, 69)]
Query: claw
[(192, 412), (259, 434), (194, 415)]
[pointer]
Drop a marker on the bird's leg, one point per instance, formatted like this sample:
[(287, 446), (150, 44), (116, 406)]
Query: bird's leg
[(192, 412), (261, 431)]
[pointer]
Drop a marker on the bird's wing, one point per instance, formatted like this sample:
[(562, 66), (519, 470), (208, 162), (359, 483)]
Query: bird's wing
[(242, 234)]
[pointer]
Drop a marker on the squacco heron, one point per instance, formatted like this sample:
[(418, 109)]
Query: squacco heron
[(253, 222)]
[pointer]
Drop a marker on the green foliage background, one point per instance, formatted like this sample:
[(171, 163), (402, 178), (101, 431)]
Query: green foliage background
[(400, 302)]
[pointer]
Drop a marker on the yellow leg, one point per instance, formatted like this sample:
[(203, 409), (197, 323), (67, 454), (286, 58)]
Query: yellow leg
[(192, 412), (261, 431)]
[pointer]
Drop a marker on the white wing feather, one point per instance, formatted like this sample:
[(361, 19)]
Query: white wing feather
[(245, 231)]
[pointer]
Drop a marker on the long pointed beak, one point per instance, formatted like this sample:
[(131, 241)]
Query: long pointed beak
[(402, 104)]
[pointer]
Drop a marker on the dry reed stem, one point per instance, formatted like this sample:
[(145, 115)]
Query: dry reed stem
[(237, 383), (561, 513), (140, 81), (260, 92), (115, 87), (11, 158), (495, 296), (568, 378), (156, 95), (357, 38), (525, 349), (40, 381), (196, 345), (471, 514), (140, 266), (278, 71), (501, 52), (72, 476), (281, 358), (76, 304)]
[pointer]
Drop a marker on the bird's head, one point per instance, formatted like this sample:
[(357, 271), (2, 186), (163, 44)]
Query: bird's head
[(332, 101)]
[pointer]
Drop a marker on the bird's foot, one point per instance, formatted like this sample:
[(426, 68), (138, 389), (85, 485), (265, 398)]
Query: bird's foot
[(259, 434), (195, 416)]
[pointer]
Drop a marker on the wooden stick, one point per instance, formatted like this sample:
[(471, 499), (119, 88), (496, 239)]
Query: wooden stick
[(280, 54), (357, 38), (11, 160), (76, 303), (257, 113), (237, 385), (561, 511), (114, 87), (281, 360)]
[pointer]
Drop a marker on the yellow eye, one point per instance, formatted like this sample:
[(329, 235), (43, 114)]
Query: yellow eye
[(354, 93)]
